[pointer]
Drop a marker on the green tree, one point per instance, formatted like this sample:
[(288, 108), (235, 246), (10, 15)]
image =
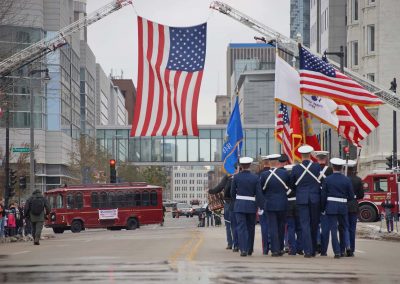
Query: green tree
[(155, 175)]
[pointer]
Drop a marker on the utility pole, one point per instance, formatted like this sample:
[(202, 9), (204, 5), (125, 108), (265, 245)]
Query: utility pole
[(7, 156), (393, 88)]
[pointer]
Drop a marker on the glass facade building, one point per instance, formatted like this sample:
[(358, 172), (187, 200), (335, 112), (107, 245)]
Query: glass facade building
[(204, 149)]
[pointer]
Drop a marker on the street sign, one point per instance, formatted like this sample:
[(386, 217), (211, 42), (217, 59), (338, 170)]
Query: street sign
[(21, 150)]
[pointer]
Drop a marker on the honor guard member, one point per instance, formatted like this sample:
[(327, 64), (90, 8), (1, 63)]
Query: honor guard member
[(283, 161), (225, 186), (246, 191), (337, 190), (304, 178), (323, 234), (293, 222), (352, 205), (263, 214), (275, 187)]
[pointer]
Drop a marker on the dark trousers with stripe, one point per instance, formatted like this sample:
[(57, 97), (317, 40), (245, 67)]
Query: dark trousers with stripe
[(246, 223), (309, 219)]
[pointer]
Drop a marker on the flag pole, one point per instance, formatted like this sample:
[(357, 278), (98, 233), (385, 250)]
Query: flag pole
[(322, 136), (302, 121), (276, 115)]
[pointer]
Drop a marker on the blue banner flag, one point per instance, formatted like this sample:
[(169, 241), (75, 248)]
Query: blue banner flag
[(233, 140)]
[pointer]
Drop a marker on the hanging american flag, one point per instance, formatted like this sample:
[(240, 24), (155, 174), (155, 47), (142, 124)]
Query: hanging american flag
[(321, 79), (283, 131), (355, 123), (171, 62)]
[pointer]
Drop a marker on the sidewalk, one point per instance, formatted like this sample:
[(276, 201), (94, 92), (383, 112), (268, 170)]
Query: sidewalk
[(371, 231)]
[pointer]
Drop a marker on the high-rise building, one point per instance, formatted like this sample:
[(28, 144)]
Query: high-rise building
[(373, 46), (251, 75), (189, 183), (128, 90), (300, 20), (223, 109)]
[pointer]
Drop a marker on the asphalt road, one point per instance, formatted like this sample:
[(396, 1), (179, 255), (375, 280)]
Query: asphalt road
[(180, 252)]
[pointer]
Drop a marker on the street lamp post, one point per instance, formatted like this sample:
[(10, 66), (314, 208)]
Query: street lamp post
[(393, 88), (32, 126)]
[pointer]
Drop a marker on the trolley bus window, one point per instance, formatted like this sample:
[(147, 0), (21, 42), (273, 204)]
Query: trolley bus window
[(146, 198), (70, 201), (51, 201), (121, 200), (59, 201), (138, 199), (78, 200), (112, 200), (103, 200), (130, 199), (153, 198), (380, 184), (95, 200)]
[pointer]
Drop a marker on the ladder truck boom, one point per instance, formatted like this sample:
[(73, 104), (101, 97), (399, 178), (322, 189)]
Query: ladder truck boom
[(47, 45), (291, 46)]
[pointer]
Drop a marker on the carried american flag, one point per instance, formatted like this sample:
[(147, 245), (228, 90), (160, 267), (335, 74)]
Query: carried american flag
[(283, 131), (355, 123), (171, 62), (319, 78)]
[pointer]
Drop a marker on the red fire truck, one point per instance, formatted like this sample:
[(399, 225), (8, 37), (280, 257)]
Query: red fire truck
[(376, 187), (112, 206)]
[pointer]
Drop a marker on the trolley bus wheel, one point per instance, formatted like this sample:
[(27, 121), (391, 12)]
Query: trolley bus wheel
[(58, 230), (76, 226), (132, 224)]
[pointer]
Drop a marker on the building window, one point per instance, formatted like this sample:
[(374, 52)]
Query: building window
[(371, 2), (371, 38), (371, 77), (354, 53), (354, 10)]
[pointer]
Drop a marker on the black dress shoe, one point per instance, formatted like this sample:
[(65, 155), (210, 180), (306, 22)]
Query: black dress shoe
[(229, 247), (36, 243), (300, 252), (243, 253), (275, 254), (249, 253), (307, 256), (235, 249), (349, 252), (337, 256), (324, 254), (341, 255)]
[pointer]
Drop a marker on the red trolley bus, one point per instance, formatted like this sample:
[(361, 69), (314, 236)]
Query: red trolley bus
[(111, 206)]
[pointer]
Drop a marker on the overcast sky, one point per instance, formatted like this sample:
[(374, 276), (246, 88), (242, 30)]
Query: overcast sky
[(114, 38)]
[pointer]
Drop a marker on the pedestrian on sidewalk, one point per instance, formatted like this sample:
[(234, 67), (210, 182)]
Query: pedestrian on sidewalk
[(36, 208), (2, 219), (11, 221), (388, 205)]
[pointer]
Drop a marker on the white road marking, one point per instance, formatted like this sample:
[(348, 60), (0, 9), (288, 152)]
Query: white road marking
[(21, 252)]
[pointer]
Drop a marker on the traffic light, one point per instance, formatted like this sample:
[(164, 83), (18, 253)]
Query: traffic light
[(22, 183), (12, 182), (113, 172), (389, 162)]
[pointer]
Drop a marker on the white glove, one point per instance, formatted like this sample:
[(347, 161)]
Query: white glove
[(260, 212), (323, 213)]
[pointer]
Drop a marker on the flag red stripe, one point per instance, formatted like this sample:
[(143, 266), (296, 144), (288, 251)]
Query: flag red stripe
[(151, 78), (304, 90), (158, 73), (178, 118), (169, 106), (183, 101), (195, 103), (140, 76), (358, 120), (369, 116)]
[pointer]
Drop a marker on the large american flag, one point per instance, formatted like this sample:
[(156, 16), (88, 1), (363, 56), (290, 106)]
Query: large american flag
[(355, 123), (171, 62), (321, 79), (283, 131)]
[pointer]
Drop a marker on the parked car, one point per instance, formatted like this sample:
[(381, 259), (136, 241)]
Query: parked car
[(198, 210), (182, 209)]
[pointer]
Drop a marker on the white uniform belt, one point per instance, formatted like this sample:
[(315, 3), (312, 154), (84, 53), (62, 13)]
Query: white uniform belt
[(291, 198), (355, 196), (242, 197), (337, 199)]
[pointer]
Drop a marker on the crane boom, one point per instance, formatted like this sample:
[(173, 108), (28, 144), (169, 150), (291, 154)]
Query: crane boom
[(290, 45), (47, 45)]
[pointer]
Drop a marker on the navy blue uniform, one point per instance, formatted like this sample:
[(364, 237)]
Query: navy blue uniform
[(308, 198), (275, 195), (246, 192), (324, 233), (293, 225), (336, 191), (264, 225), (353, 209)]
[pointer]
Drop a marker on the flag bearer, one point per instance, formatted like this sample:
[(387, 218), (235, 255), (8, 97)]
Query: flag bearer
[(304, 178), (352, 205), (263, 214), (337, 190), (246, 192), (275, 186), (326, 170)]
